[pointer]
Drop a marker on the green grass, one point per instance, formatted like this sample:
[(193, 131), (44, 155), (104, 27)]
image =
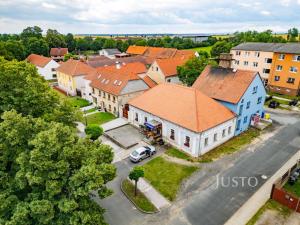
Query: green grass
[(270, 205), (78, 102), (204, 49), (90, 110), (294, 189), (231, 146), (99, 118), (140, 199), (174, 152), (166, 177)]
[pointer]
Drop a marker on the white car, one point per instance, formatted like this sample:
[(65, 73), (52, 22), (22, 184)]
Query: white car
[(141, 153)]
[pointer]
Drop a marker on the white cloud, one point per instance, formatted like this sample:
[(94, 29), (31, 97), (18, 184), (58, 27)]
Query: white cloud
[(48, 5), (265, 13)]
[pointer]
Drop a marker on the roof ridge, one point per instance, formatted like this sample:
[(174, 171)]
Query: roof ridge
[(197, 119)]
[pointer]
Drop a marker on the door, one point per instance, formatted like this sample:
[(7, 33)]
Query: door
[(125, 111)]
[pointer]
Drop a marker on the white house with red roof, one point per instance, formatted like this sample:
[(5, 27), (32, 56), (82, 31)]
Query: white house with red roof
[(46, 66), (184, 117)]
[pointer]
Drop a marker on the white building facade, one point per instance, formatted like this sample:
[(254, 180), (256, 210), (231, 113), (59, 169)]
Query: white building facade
[(193, 143)]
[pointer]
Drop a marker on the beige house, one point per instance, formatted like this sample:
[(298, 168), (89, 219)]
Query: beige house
[(111, 87), (255, 57)]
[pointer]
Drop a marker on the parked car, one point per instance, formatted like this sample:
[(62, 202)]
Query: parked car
[(273, 104), (294, 102), (142, 153), (269, 98), (292, 180)]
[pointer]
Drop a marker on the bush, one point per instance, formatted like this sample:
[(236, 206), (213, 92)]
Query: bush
[(94, 131)]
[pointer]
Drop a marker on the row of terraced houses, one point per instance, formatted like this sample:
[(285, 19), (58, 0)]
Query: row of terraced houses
[(142, 86)]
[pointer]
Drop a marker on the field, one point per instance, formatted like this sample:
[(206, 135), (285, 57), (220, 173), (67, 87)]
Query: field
[(99, 118), (205, 49)]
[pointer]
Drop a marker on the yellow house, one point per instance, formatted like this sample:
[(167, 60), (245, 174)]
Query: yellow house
[(70, 76)]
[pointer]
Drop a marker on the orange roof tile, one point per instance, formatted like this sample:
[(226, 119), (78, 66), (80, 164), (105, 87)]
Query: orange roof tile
[(74, 68), (184, 106), (58, 51), (38, 60), (112, 80), (136, 50), (185, 53), (151, 83), (224, 84), (169, 66)]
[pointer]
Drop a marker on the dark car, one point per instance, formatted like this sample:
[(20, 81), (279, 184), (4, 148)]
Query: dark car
[(294, 102), (292, 180), (273, 104)]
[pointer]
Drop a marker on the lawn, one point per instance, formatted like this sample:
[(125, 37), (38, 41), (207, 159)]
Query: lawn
[(166, 177), (270, 205), (231, 146), (294, 189), (283, 96), (174, 152), (78, 102), (204, 49), (140, 199), (90, 110), (99, 118)]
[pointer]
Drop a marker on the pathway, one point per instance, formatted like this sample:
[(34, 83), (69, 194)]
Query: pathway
[(114, 124), (87, 108), (153, 195)]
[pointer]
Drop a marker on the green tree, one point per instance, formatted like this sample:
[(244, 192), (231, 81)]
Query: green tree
[(70, 56), (109, 43), (97, 44), (190, 71), (293, 34), (47, 173), (70, 42), (220, 47), (141, 42), (30, 32), (135, 174), (82, 44), (37, 46), (24, 90), (3, 51), (125, 46), (16, 49), (55, 39), (94, 131)]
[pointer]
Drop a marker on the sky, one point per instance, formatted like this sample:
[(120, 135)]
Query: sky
[(149, 16)]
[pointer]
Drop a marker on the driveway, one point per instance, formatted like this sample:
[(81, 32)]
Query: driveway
[(200, 202)]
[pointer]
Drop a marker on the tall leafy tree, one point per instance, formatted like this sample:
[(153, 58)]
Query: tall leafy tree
[(24, 90), (47, 173), (293, 34), (220, 47), (16, 49), (70, 42), (55, 39), (109, 43), (37, 46), (30, 32)]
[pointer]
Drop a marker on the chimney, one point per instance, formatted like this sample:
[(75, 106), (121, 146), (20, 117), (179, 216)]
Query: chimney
[(118, 65), (225, 60)]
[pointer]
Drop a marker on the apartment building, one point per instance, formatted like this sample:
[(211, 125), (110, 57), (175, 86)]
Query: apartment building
[(257, 57), (285, 71)]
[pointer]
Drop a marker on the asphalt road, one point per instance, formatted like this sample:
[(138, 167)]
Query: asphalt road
[(201, 200)]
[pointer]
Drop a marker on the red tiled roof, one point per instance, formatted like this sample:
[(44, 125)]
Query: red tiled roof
[(169, 66), (58, 51), (112, 80), (136, 50), (38, 60), (184, 106), (151, 83), (224, 84), (75, 68)]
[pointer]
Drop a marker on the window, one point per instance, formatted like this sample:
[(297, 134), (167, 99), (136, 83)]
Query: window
[(266, 71), (277, 78), (229, 130), (223, 133), (172, 135), (255, 64), (248, 105), (103, 94), (257, 54), (115, 110), (108, 96), (146, 119), (278, 68), (268, 60), (187, 141), (169, 80), (93, 90), (291, 80), (238, 124), (205, 142), (247, 53), (294, 69), (114, 99), (281, 56), (296, 58), (109, 108), (245, 119), (238, 53), (54, 75), (99, 93), (254, 91), (156, 68), (241, 110), (53, 69), (215, 137), (136, 117), (237, 62), (246, 63), (259, 100)]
